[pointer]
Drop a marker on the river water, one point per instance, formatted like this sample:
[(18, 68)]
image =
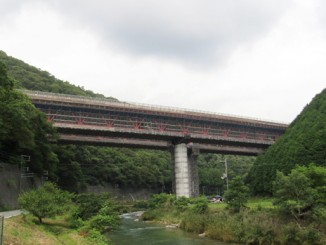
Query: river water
[(134, 232)]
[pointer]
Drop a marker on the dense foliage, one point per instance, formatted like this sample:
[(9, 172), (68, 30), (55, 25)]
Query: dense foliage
[(80, 165), (89, 204), (24, 130), (95, 212), (302, 193), (303, 143), (212, 167)]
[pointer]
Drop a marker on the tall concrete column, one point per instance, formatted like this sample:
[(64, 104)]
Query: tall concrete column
[(185, 172), (194, 178), (181, 170)]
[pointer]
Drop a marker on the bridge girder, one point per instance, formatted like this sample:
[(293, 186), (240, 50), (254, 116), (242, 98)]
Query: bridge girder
[(126, 122)]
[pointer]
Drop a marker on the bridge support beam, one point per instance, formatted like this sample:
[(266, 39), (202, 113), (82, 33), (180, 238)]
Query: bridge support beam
[(185, 171)]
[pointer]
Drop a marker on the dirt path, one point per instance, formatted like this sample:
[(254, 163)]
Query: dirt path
[(12, 213)]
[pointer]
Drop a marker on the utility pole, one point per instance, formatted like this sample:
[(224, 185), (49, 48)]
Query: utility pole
[(225, 175)]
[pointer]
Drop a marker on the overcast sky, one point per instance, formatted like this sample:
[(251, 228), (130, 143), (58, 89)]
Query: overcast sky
[(259, 58)]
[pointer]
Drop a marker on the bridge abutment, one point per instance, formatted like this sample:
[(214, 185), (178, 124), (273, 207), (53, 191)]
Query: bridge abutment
[(185, 171)]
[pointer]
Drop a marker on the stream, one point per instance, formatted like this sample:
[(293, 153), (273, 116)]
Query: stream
[(134, 232)]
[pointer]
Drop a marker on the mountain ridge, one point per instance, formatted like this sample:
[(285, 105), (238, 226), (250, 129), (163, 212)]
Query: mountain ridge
[(29, 77)]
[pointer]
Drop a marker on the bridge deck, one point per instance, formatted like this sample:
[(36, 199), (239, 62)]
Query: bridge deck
[(93, 117), (102, 103)]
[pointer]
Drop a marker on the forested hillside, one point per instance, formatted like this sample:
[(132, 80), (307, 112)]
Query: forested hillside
[(303, 143), (30, 77), (76, 166)]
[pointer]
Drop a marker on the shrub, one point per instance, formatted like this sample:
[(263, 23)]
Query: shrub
[(89, 204), (152, 214), (76, 223), (200, 205), (292, 234), (312, 237), (193, 222), (104, 223), (96, 237), (182, 203), (162, 200), (141, 204), (106, 219)]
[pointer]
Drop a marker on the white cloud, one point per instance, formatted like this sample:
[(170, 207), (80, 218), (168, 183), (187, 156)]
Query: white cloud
[(261, 59), (190, 31)]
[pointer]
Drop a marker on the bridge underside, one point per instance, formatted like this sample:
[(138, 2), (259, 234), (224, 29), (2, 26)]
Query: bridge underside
[(184, 149), (98, 131), (155, 144), (186, 182)]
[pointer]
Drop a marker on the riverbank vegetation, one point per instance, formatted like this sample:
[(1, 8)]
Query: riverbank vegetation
[(60, 214), (26, 229), (296, 214), (251, 224)]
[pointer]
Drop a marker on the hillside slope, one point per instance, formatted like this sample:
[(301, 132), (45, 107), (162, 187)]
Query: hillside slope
[(303, 143), (30, 77)]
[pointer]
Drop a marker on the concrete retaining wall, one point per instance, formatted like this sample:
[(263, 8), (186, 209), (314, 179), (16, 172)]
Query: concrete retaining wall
[(11, 184)]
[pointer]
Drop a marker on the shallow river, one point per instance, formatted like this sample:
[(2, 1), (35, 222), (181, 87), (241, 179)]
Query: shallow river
[(134, 232)]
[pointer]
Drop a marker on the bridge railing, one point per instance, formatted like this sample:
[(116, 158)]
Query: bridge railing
[(130, 125), (140, 106)]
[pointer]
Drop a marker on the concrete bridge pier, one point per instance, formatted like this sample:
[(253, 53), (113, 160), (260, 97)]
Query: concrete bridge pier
[(185, 171)]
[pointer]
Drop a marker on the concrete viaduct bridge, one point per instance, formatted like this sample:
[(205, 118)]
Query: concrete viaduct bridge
[(186, 133)]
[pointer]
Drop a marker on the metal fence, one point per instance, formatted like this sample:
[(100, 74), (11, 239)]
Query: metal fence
[(2, 219)]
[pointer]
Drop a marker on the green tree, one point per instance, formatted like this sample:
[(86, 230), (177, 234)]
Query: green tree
[(5, 81), (302, 193), (237, 195), (46, 201)]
